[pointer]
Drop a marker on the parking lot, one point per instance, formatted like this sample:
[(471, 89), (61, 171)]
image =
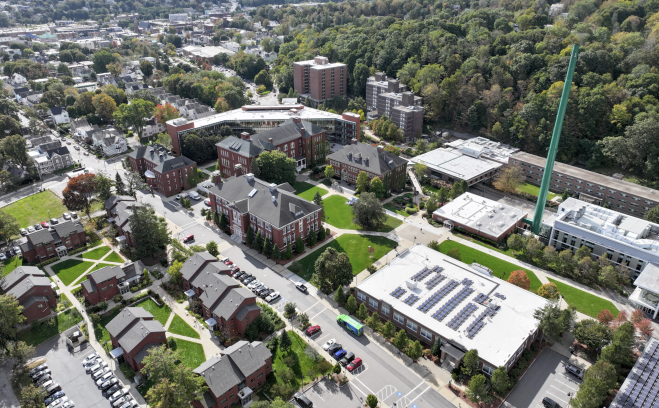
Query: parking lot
[(327, 394), (546, 378)]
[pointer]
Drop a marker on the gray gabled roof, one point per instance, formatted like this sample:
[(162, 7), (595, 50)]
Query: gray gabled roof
[(286, 132), (228, 304), (33, 299), (19, 274), (368, 158), (114, 199), (125, 318), (60, 151), (249, 357), (57, 110), (242, 147), (136, 332), (215, 287), (43, 236), (66, 228), (173, 163), (26, 284), (106, 273), (192, 265)]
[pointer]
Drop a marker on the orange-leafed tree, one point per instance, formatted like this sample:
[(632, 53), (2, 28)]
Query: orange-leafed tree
[(605, 316), (519, 278), (637, 316), (79, 193), (549, 291), (644, 326), (165, 112), (620, 319)]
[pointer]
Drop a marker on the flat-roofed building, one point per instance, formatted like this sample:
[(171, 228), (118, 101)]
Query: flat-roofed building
[(646, 294), (432, 296), (625, 240), (639, 390), (479, 215), (319, 80), (388, 97)]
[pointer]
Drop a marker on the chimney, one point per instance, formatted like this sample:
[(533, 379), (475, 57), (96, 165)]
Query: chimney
[(270, 140), (350, 156), (380, 149), (408, 99), (244, 135), (353, 141), (366, 161), (273, 187), (392, 85), (296, 119)]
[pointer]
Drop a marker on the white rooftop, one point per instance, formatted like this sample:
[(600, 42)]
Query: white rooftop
[(488, 148), (207, 52), (463, 164), (501, 335), (490, 217)]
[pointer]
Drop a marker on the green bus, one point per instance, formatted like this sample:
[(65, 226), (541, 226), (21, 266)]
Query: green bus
[(351, 324)]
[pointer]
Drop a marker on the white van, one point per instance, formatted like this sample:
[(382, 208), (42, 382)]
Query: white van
[(194, 195)]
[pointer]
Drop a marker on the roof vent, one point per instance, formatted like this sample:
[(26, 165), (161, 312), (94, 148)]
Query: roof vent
[(411, 284), (273, 187), (273, 199), (249, 176)]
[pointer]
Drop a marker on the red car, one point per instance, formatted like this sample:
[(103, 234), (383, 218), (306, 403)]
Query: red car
[(188, 238), (228, 262), (313, 330), (44, 224), (354, 364)]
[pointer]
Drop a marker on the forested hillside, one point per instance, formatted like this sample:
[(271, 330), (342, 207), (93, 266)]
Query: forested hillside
[(477, 73)]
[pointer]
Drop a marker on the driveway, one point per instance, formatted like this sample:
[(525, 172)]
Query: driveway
[(545, 378), (327, 394)]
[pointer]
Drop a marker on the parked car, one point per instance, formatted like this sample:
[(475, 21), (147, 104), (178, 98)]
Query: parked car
[(44, 225), (93, 362), (47, 384), (58, 401), (54, 397), (242, 278), (312, 330), (249, 279), (207, 202), (194, 195), (112, 390), (120, 393), (100, 373), (339, 354), (302, 400), (42, 380), (550, 403), (74, 214), (228, 262), (95, 368), (30, 229), (262, 291), (89, 358), (572, 369), (354, 364), (104, 378), (301, 287), (328, 344), (237, 274), (179, 196), (18, 252), (53, 388), (188, 238), (109, 383), (234, 269), (67, 404), (38, 374), (38, 227), (54, 221), (38, 368), (253, 284), (23, 231), (2, 256), (272, 297), (347, 359)]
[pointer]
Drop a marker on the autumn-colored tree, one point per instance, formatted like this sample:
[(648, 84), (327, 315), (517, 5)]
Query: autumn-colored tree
[(105, 106), (114, 68), (221, 105), (605, 316), (644, 326), (509, 179), (637, 316), (519, 278), (165, 112), (79, 193), (620, 319), (549, 291)]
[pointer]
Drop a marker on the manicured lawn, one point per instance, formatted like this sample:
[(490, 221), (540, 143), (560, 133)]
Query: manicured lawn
[(191, 354), (307, 191), (212, 168), (50, 328), (97, 253), (102, 335), (534, 190), (585, 302), (95, 268), (302, 362), (498, 266), (356, 247), (114, 257), (179, 326), (396, 210), (338, 214), (34, 208), (161, 314), (10, 264), (69, 270)]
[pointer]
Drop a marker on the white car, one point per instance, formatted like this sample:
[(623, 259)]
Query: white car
[(254, 284), (58, 401), (66, 216), (2, 256), (30, 229), (329, 343), (89, 359), (272, 297)]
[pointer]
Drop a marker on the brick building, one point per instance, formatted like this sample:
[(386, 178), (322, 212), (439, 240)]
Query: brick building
[(33, 290), (624, 196), (234, 375), (319, 80), (106, 283), (375, 161), (390, 98), (300, 140), (163, 172), (54, 241), (133, 333), (118, 210), (274, 210), (225, 305)]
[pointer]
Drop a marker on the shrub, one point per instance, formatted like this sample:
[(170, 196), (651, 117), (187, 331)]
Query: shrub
[(117, 298), (171, 343), (422, 205), (411, 210), (371, 269), (164, 262)]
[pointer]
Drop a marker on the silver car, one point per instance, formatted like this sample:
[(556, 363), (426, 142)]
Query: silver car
[(100, 373)]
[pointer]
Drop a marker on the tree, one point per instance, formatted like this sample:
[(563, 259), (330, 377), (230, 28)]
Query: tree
[(276, 403), (598, 380), (337, 368), (333, 268), (276, 167), (104, 187), (592, 334), (329, 171), (164, 113), (289, 309), (605, 316), (10, 316), (454, 253), (554, 321), (258, 242), (134, 115), (79, 192), (371, 401), (340, 296), (115, 93), (456, 191), (101, 59), (104, 105), (652, 215), (84, 104), (368, 212), (470, 363), (442, 195), (351, 304), (500, 381), (619, 352), (146, 68), (516, 242), (415, 350), (221, 105), (519, 278), (299, 245), (211, 247), (362, 312), (645, 327), (477, 390), (148, 232), (377, 187), (509, 179), (549, 291), (362, 182), (164, 140), (119, 186), (401, 341), (285, 342), (15, 149), (9, 227), (374, 322), (32, 397), (263, 78), (174, 271), (420, 169), (145, 95), (267, 246)]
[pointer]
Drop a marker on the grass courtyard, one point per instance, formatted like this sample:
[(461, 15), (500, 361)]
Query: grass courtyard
[(398, 211), (114, 257), (500, 267), (8, 265), (68, 271), (307, 191), (356, 247), (95, 254), (161, 314), (585, 302), (34, 208), (37, 335), (534, 190), (191, 354), (339, 214), (212, 168), (179, 326), (302, 362)]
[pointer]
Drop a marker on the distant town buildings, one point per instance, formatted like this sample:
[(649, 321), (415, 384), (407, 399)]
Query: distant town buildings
[(319, 80), (178, 18)]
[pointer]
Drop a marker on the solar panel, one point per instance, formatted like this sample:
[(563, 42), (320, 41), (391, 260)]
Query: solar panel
[(434, 281), (398, 292), (422, 274), (452, 303)]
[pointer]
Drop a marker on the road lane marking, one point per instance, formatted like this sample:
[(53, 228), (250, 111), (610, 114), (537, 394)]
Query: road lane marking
[(318, 313), (315, 392), (369, 390), (319, 339), (311, 306), (386, 392), (558, 398), (353, 385), (422, 382), (567, 385), (422, 392)]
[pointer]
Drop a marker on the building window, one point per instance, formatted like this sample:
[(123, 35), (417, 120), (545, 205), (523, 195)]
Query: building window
[(412, 326), (487, 369), (372, 303), (385, 310), (426, 334), (361, 296), (399, 318)]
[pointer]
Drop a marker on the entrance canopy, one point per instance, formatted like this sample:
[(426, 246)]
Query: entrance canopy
[(116, 353), (452, 351), (189, 293), (211, 322)]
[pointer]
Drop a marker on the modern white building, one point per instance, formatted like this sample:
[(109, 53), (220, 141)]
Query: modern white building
[(178, 18), (646, 294), (432, 296), (623, 239)]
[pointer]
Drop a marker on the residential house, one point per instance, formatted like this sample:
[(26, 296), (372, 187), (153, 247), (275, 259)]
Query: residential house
[(54, 241), (119, 209), (109, 140), (105, 283), (133, 332), (33, 290), (80, 128), (374, 161), (59, 115), (164, 173), (106, 78)]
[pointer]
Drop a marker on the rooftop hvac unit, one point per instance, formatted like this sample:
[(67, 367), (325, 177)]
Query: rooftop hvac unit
[(411, 284)]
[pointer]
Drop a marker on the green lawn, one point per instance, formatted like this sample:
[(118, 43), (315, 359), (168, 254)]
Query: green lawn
[(307, 191), (68, 271), (356, 247), (179, 326), (498, 266), (50, 328), (534, 190), (585, 302), (95, 268), (302, 362), (114, 257), (161, 314), (34, 208), (96, 254), (9, 265), (212, 168), (102, 334), (392, 208), (191, 354), (338, 214)]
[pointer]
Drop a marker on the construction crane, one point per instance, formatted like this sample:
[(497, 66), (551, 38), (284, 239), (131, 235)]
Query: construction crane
[(536, 222)]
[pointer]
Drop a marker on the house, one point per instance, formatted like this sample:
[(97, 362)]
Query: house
[(59, 114), (233, 376), (106, 78), (225, 305), (273, 210), (105, 283), (163, 172), (18, 79), (80, 128), (119, 209), (33, 290), (133, 332), (54, 241), (373, 160), (51, 158), (153, 127), (109, 141)]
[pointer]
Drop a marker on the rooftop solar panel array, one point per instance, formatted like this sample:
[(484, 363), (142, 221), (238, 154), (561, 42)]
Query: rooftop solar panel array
[(500, 296), (467, 282), (411, 299), (437, 296), (642, 389), (398, 292), (478, 324), (480, 298), (460, 318), (448, 307), (422, 274), (434, 281)]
